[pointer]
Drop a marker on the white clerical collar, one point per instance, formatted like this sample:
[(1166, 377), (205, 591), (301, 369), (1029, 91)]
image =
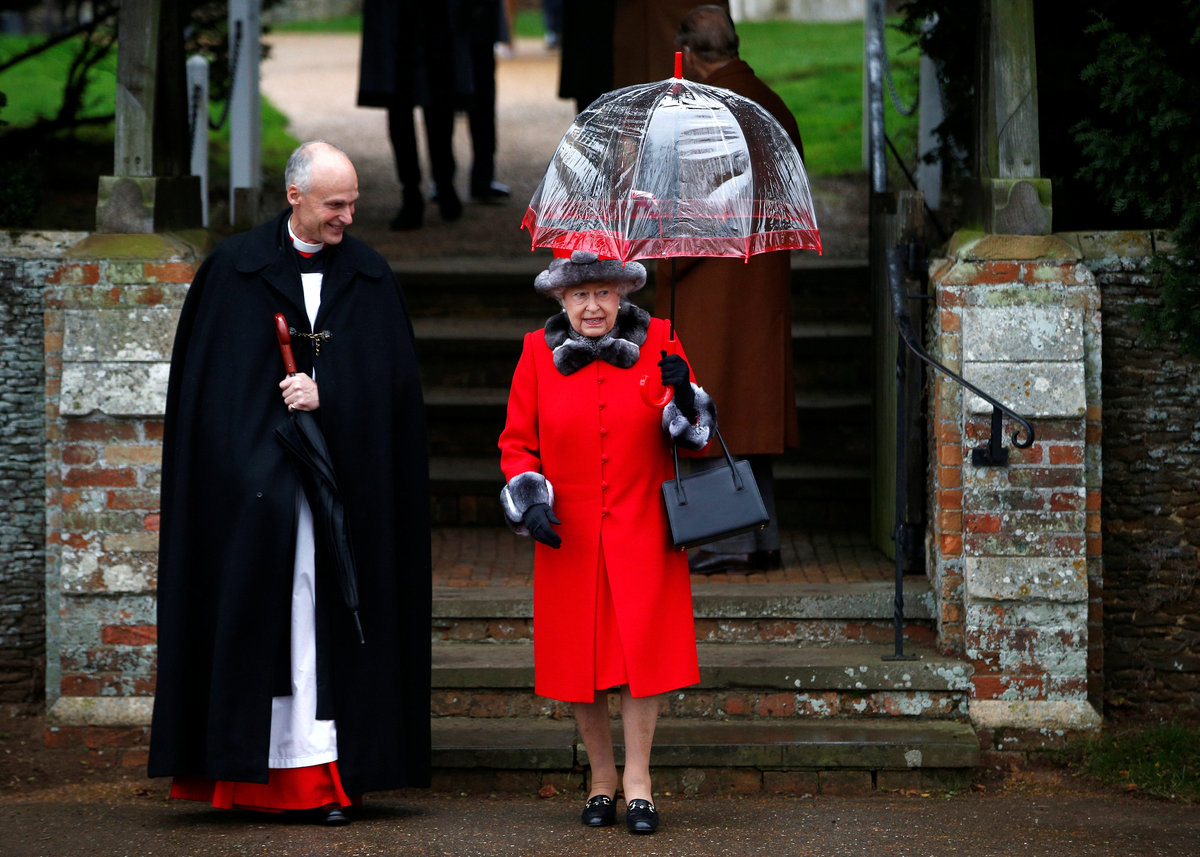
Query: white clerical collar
[(303, 246)]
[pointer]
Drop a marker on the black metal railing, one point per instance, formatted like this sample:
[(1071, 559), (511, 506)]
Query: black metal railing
[(897, 260)]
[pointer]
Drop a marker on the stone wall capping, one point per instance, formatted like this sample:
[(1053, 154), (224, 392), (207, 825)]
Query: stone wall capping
[(37, 244), (187, 245), (121, 711), (970, 246), (1039, 714)]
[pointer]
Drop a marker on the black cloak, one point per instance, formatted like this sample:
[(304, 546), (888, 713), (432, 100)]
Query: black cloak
[(229, 518)]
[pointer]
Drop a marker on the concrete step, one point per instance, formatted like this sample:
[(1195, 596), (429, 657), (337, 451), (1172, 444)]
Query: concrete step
[(692, 756), (465, 490), (816, 614), (834, 424), (821, 288), (737, 681)]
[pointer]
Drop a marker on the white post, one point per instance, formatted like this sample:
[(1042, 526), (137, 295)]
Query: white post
[(245, 112), (929, 176), (197, 87)]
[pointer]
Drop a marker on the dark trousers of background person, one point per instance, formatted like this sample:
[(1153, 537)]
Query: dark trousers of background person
[(439, 131), (481, 116)]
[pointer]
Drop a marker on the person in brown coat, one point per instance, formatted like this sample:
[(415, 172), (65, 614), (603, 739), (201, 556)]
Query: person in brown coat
[(644, 41), (737, 315)]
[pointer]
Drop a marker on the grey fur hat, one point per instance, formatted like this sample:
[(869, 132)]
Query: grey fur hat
[(587, 267)]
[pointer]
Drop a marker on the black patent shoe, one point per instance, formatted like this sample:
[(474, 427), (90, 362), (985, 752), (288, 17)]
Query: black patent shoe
[(331, 815), (599, 811), (641, 816)]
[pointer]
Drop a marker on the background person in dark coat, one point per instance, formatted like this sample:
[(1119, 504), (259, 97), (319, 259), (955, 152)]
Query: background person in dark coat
[(737, 315), (266, 698), (409, 59)]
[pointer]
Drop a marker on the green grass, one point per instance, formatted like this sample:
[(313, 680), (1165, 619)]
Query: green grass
[(34, 90), (1162, 760), (817, 69), (34, 87)]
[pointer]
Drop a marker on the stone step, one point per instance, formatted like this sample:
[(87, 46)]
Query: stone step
[(737, 681), (731, 600), (821, 288), (464, 490), (834, 425), (693, 756), (463, 351)]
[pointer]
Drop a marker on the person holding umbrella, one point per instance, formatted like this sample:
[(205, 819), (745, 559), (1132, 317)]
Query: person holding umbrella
[(585, 458), (737, 313), (293, 617)]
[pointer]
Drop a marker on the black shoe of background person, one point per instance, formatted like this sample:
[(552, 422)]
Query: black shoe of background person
[(494, 193), (411, 212), (711, 562), (766, 560), (599, 811), (641, 816), (448, 203)]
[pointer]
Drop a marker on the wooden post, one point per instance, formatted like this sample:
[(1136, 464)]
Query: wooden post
[(1015, 199), (150, 189)]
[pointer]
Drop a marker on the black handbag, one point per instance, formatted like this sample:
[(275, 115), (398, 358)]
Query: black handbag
[(712, 504)]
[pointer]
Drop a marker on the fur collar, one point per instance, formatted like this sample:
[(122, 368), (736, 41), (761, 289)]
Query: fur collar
[(621, 346)]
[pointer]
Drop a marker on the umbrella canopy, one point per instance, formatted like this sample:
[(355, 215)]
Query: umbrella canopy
[(305, 443), (674, 168)]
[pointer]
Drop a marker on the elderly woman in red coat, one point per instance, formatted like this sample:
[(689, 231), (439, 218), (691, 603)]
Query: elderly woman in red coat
[(585, 459)]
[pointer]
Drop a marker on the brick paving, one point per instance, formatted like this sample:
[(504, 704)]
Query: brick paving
[(493, 556)]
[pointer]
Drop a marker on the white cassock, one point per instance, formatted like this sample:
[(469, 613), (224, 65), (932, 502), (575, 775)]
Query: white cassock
[(298, 739)]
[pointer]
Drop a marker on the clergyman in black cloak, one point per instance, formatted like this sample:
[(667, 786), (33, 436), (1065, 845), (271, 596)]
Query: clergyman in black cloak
[(236, 531)]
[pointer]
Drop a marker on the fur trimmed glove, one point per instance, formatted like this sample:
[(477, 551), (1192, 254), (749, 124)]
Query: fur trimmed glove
[(675, 374), (537, 521)]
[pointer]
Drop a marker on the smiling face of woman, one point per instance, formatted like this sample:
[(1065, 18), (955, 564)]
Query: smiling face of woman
[(591, 308)]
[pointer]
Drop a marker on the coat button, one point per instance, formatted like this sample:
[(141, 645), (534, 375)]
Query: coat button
[(603, 432), (604, 512), (604, 458), (603, 485)]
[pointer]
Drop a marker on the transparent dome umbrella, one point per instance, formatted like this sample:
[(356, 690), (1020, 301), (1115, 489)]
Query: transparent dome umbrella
[(674, 168)]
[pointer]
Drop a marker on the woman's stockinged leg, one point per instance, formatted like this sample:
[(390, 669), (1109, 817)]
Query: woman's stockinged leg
[(639, 717), (591, 718)]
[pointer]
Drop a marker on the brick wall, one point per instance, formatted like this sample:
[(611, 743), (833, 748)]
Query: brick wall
[(1151, 505)]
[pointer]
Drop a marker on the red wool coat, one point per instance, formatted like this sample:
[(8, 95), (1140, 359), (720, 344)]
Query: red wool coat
[(606, 455)]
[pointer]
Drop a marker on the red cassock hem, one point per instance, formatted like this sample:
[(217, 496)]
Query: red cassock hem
[(286, 789)]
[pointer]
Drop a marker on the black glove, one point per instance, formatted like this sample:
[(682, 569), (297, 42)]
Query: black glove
[(537, 519), (675, 374)]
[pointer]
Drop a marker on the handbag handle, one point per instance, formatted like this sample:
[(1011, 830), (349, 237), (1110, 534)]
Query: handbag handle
[(738, 484)]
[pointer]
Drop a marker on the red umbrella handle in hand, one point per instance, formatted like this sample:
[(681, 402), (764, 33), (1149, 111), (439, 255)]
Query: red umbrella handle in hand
[(653, 392), (285, 343)]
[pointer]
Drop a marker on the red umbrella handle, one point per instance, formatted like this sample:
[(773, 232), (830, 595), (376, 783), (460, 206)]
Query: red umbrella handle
[(285, 343), (653, 392)]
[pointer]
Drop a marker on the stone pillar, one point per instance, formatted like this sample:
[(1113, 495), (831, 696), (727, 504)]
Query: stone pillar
[(1015, 551), (111, 307), (150, 189)]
